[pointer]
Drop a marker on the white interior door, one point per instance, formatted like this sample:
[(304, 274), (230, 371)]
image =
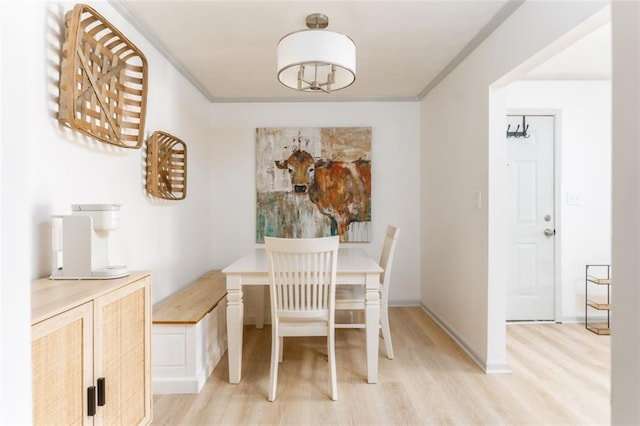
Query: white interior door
[(531, 227)]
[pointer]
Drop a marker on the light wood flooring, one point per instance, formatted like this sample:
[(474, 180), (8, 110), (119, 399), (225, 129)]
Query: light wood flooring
[(560, 375)]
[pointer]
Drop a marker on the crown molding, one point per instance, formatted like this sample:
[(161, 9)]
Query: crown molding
[(497, 20)]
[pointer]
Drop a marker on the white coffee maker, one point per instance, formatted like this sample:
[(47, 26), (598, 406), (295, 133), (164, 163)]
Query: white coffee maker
[(81, 243)]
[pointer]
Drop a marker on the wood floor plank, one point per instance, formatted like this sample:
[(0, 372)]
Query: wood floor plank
[(560, 375)]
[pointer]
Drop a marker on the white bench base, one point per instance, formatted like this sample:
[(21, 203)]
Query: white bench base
[(184, 355)]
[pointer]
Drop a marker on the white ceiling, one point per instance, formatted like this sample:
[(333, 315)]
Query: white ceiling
[(587, 59), (228, 48)]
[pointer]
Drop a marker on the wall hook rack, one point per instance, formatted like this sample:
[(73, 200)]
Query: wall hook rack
[(517, 133)]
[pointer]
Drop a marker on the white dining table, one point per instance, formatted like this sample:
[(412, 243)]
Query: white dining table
[(355, 267)]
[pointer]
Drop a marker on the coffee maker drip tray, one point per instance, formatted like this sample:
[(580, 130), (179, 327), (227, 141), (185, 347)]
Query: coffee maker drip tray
[(109, 272), (106, 273)]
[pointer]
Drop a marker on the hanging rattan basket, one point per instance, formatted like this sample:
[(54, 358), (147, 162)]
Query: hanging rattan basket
[(103, 80), (166, 166)]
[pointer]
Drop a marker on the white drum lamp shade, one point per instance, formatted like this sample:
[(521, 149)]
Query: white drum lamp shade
[(316, 60)]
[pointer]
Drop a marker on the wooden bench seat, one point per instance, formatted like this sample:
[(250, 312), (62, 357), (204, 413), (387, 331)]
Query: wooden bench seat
[(189, 335), (190, 304)]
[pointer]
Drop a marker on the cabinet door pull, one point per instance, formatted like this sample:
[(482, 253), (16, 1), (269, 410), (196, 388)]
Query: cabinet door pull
[(91, 401), (102, 392)]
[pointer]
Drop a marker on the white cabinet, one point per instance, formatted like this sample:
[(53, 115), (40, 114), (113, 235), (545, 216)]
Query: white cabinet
[(91, 351)]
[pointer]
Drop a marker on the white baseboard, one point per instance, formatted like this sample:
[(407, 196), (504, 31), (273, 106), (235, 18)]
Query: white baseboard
[(488, 368)]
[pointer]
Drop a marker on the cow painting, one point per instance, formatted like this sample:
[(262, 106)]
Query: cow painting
[(313, 182), (340, 190)]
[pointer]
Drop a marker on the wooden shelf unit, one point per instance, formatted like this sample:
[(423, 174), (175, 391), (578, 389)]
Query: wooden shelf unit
[(599, 275)]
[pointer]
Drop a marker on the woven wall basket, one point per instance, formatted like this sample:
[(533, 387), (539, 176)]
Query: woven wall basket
[(103, 80), (166, 166)]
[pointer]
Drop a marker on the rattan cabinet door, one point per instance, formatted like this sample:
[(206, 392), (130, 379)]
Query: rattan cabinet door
[(62, 359), (122, 354)]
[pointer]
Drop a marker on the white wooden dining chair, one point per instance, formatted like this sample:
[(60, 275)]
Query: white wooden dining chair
[(302, 287), (352, 298)]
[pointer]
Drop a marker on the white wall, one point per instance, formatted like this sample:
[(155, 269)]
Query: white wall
[(15, 336), (2, 58), (395, 175), (46, 167), (625, 336), (463, 279), (161, 236), (585, 168)]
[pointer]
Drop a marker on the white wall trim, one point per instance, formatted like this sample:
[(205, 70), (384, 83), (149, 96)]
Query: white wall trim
[(484, 32), (405, 304), (491, 368), (579, 319), (127, 13)]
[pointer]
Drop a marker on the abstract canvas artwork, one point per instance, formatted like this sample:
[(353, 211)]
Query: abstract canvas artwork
[(313, 182)]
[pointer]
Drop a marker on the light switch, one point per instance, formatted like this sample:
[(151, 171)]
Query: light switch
[(574, 198), (477, 199)]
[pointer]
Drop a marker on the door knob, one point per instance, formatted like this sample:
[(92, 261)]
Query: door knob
[(549, 232)]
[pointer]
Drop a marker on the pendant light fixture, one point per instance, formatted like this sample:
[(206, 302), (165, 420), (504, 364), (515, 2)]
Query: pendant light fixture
[(315, 59)]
